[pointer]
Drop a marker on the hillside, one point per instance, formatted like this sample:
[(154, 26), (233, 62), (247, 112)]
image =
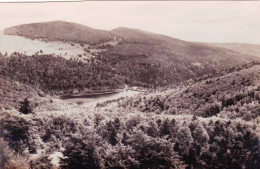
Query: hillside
[(60, 31), (226, 94), (159, 60), (12, 92), (245, 48), (142, 58), (211, 122), (58, 75), (11, 43), (163, 48)]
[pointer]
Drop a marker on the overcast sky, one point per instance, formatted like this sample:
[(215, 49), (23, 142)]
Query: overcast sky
[(192, 21)]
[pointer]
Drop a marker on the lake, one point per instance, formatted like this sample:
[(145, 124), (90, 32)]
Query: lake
[(97, 98)]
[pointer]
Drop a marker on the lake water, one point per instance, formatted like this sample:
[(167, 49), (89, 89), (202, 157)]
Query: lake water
[(94, 99)]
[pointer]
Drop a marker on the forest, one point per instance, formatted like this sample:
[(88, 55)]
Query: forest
[(94, 140), (209, 122), (142, 70), (56, 74), (228, 92), (76, 97)]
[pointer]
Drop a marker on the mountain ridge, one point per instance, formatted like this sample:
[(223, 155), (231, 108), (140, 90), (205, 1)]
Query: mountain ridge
[(244, 48), (145, 58), (60, 30)]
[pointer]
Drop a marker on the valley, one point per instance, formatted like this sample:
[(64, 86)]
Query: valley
[(125, 98)]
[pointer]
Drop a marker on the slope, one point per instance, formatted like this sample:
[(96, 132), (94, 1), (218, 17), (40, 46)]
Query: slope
[(143, 58), (234, 93), (245, 48), (60, 31), (160, 60)]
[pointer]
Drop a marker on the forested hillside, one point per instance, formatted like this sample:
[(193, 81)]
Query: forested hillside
[(60, 31), (55, 74), (199, 106), (228, 93), (143, 58), (211, 122), (159, 60), (11, 90)]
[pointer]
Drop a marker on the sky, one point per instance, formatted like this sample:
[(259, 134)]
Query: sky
[(203, 21)]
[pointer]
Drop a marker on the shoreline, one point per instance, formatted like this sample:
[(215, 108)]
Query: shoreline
[(90, 94), (96, 93)]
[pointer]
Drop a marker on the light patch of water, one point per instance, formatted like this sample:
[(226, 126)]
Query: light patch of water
[(101, 98)]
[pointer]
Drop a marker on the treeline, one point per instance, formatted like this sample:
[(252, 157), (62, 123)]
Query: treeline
[(103, 140), (52, 73)]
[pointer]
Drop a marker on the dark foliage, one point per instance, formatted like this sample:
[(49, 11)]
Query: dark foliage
[(209, 97), (57, 74), (25, 107), (79, 156), (15, 130)]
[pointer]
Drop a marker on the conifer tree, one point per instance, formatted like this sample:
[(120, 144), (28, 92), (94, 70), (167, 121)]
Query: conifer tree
[(25, 107)]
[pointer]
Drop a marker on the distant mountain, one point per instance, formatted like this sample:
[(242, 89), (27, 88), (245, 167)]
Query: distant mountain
[(142, 58), (60, 31), (245, 48), (164, 48), (167, 59)]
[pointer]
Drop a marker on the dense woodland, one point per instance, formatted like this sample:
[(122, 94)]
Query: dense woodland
[(141, 58), (141, 72), (229, 92), (55, 74), (129, 140), (210, 122), (51, 73), (201, 109)]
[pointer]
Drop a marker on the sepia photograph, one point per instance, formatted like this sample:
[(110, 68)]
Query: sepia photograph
[(130, 85)]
